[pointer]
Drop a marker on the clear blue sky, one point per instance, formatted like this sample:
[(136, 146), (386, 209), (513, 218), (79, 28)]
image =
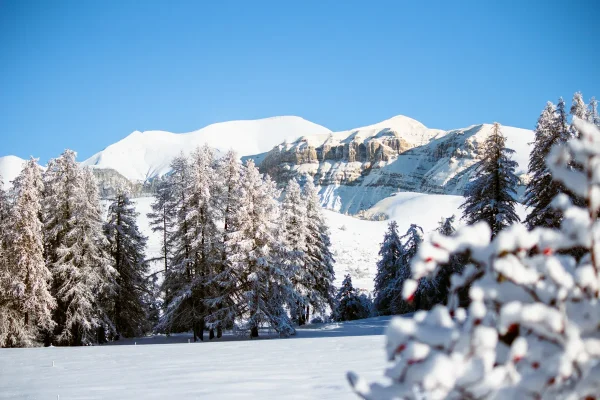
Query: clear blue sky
[(84, 74)]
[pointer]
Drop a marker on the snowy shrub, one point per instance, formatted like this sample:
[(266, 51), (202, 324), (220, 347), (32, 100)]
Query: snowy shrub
[(316, 320), (532, 329)]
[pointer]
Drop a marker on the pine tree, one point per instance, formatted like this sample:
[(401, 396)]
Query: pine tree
[(293, 234), (351, 305), (31, 278), (225, 278), (162, 219), (265, 288), (13, 331), (411, 241), (98, 269), (593, 116), (491, 196), (579, 110), (75, 251), (127, 246), (389, 254), (542, 189), (319, 259)]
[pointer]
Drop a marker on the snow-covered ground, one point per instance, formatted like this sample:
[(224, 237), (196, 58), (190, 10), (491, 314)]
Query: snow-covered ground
[(311, 365)]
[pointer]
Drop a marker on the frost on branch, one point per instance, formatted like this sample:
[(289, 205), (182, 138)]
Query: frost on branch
[(532, 328)]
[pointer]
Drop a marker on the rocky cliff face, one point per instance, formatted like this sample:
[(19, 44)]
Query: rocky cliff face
[(356, 169)]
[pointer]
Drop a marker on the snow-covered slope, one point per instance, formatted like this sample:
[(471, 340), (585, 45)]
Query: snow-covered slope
[(10, 168), (144, 155)]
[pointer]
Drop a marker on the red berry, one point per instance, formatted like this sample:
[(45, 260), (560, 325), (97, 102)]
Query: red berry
[(401, 348), (547, 251), (535, 365), (429, 259)]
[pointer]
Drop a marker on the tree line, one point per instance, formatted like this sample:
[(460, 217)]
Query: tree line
[(236, 252)]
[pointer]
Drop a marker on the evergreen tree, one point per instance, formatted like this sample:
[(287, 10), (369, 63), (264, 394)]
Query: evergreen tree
[(13, 331), (351, 305), (579, 110), (75, 250), (30, 278), (542, 189), (446, 226), (177, 315), (293, 234), (162, 219), (593, 116), (319, 259), (225, 278), (491, 196), (127, 246), (411, 241), (389, 254), (265, 288)]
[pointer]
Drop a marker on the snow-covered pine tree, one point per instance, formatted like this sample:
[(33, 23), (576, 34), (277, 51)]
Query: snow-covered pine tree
[(542, 188), (224, 281), (13, 331), (389, 253), (593, 116), (491, 196), (127, 246), (410, 241), (531, 330), (446, 226), (203, 234), (75, 250), (98, 269), (31, 279), (350, 304), (162, 219), (177, 314), (319, 259), (578, 109), (265, 287), (293, 233)]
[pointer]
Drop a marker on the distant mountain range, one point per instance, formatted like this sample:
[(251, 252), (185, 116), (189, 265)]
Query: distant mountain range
[(355, 169)]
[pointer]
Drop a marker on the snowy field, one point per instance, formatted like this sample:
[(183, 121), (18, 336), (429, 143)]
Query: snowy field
[(311, 365)]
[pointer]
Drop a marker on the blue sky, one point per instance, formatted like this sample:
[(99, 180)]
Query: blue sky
[(84, 74)]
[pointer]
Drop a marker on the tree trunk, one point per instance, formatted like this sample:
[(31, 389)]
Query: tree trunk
[(307, 314), (219, 332), (211, 334), (254, 332)]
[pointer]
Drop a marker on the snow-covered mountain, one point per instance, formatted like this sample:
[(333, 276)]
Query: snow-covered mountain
[(144, 155), (356, 169), (10, 168)]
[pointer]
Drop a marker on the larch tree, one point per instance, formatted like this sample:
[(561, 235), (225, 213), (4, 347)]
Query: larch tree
[(224, 282), (593, 116), (491, 196), (293, 234), (31, 278), (75, 250), (162, 219), (319, 260), (387, 265), (13, 331), (266, 288), (127, 247)]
